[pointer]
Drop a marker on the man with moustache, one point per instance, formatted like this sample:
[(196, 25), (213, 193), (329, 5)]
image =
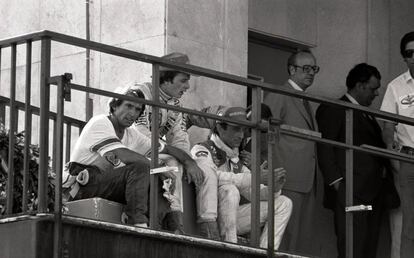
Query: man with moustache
[(301, 176), (224, 195), (173, 131), (370, 172), (399, 99)]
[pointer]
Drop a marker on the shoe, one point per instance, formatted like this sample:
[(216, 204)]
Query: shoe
[(141, 225), (210, 230)]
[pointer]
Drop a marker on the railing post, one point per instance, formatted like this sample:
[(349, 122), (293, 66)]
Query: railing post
[(12, 130), (154, 146), (62, 82), (349, 168), (27, 124), (273, 139), (44, 124), (255, 198)]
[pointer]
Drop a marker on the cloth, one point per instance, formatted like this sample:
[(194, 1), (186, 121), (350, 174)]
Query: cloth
[(172, 127), (369, 180), (110, 178), (301, 176), (218, 198), (399, 99)]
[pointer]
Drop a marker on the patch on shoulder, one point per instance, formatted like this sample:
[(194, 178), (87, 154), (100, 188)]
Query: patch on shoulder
[(201, 154)]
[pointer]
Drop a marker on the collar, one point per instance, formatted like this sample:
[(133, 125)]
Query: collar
[(232, 154), (407, 77), (351, 99), (164, 96), (294, 85)]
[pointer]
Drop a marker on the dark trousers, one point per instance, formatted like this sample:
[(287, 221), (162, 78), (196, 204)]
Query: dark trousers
[(128, 185), (407, 206), (366, 228)]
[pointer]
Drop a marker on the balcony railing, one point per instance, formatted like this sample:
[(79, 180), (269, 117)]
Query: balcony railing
[(64, 88)]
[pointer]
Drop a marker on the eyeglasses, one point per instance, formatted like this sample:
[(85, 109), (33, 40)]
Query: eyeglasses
[(408, 53), (309, 68)]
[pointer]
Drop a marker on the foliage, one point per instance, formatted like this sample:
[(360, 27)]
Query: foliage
[(18, 176)]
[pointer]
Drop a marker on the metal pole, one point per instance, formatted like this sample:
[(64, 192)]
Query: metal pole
[(255, 198), (44, 124), (58, 142), (272, 136), (27, 124), (12, 125), (154, 147), (88, 100), (349, 167), (68, 141)]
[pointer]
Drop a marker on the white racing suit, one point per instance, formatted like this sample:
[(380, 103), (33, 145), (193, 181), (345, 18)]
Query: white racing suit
[(172, 130), (225, 193)]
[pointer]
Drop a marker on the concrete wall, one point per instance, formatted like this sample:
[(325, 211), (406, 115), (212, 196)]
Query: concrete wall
[(344, 32)]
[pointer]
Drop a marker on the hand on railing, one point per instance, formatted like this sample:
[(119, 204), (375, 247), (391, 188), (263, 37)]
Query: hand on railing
[(246, 157)]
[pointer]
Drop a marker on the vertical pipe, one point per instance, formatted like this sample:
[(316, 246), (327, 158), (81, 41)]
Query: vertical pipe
[(154, 146), (54, 146), (44, 123), (270, 193), (12, 124), (58, 142), (88, 100), (255, 200), (27, 124), (349, 168), (68, 141)]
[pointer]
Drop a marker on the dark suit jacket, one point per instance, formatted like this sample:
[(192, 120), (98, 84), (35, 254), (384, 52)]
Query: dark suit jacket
[(368, 169), (297, 156)]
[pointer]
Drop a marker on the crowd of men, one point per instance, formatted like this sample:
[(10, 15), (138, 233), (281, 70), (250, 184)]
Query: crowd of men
[(112, 154)]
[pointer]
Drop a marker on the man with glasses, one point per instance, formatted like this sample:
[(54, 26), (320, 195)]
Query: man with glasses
[(399, 99), (301, 174)]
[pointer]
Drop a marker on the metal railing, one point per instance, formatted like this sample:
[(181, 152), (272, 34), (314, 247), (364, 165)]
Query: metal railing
[(65, 86)]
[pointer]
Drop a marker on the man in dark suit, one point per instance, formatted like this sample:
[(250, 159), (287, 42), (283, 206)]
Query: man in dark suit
[(297, 156), (363, 82)]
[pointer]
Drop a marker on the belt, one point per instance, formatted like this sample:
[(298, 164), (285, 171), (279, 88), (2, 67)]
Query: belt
[(408, 150)]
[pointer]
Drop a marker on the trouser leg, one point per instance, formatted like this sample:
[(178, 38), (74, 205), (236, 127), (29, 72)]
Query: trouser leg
[(229, 198), (128, 185), (282, 212), (407, 205), (396, 223), (207, 202)]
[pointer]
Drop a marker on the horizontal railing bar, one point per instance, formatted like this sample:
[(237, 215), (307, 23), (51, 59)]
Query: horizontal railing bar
[(366, 148), (71, 40), (161, 105), (36, 111)]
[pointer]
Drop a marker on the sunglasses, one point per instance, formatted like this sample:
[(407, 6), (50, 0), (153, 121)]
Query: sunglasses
[(408, 53)]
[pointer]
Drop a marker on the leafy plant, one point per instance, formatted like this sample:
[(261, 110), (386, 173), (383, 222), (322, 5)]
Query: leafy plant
[(32, 185)]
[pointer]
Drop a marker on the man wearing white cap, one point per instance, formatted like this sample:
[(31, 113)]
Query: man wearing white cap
[(173, 84), (224, 195)]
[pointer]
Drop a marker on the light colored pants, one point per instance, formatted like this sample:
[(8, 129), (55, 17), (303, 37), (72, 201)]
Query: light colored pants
[(234, 219), (177, 203)]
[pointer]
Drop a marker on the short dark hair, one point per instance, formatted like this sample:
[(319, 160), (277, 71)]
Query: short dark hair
[(168, 76), (115, 102), (405, 40), (292, 58), (266, 113), (223, 125), (361, 73)]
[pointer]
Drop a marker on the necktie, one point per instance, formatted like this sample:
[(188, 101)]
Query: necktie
[(309, 111)]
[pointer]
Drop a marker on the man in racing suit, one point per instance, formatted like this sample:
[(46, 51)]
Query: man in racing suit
[(172, 130), (225, 193)]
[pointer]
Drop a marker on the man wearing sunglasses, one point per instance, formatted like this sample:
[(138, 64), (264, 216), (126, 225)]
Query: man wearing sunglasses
[(399, 99), (301, 176)]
